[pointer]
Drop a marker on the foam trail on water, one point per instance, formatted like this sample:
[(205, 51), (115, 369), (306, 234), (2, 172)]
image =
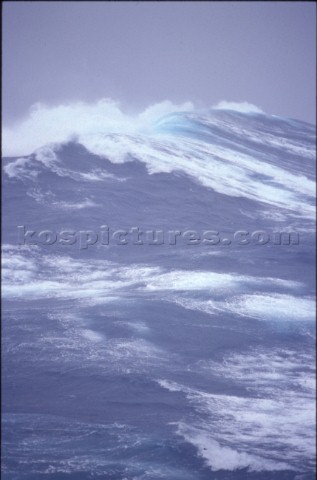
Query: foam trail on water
[(270, 425)]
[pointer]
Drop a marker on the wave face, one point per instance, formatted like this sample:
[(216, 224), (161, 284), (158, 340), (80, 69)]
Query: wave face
[(159, 298)]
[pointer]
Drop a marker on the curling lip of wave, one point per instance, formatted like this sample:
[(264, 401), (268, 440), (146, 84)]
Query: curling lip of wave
[(62, 123)]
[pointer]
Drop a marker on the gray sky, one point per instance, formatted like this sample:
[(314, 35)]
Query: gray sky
[(144, 52)]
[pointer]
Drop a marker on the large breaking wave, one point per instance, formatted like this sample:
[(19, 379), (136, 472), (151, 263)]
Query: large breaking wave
[(170, 361)]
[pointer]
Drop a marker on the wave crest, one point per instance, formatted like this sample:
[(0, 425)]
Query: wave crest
[(62, 123)]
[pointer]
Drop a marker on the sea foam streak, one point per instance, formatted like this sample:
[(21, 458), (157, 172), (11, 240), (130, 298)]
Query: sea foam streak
[(270, 427)]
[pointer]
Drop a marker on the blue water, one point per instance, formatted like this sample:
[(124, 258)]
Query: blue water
[(148, 362)]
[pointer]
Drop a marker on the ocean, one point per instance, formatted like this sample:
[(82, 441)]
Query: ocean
[(158, 300)]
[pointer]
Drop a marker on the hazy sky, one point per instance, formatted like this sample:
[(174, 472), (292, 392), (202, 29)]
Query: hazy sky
[(144, 52)]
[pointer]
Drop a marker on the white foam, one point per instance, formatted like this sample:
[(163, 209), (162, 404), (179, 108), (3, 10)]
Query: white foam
[(274, 307), (75, 346), (274, 420), (172, 386), (258, 368), (191, 280), (55, 276), (242, 107), (136, 326), (28, 167), (92, 335), (47, 157), (86, 203), (219, 457), (96, 280), (98, 175), (66, 122), (19, 168)]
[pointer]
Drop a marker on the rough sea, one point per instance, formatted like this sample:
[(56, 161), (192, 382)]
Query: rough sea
[(163, 325)]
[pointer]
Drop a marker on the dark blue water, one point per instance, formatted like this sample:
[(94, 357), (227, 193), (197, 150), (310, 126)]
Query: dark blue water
[(174, 361)]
